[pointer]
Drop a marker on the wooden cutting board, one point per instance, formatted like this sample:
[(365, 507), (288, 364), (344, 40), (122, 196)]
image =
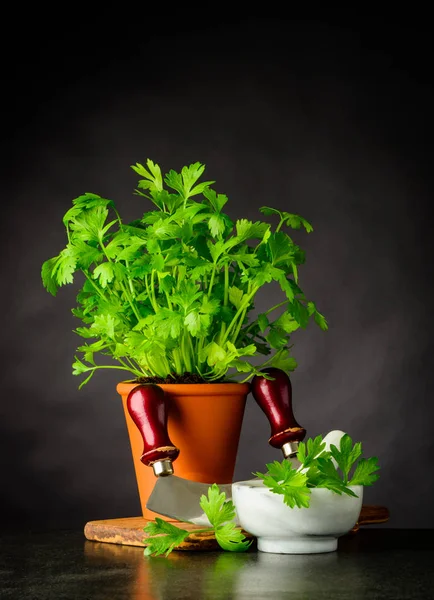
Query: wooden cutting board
[(129, 531)]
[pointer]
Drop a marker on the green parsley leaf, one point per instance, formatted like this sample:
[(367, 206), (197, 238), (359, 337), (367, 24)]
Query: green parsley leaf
[(216, 225), (283, 479), (330, 478), (308, 451), (214, 506), (163, 537), (231, 538), (263, 322), (152, 175), (287, 322), (282, 360), (104, 273), (295, 221), (248, 230), (213, 354), (219, 512), (280, 248), (276, 337), (48, 275), (65, 266), (346, 455), (365, 472), (235, 296), (217, 201)]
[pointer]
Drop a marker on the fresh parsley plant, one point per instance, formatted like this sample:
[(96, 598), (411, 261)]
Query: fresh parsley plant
[(317, 470), (163, 537), (174, 291)]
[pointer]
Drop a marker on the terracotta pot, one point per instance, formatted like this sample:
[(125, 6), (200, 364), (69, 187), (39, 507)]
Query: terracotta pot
[(204, 422)]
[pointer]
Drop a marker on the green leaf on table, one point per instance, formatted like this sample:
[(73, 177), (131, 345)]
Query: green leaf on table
[(163, 537)]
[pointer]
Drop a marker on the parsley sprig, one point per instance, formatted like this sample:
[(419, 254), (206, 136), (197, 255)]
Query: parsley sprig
[(164, 537), (317, 470), (174, 291)]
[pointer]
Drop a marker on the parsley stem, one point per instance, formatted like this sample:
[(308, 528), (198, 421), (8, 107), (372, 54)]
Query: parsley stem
[(240, 323), (280, 225), (92, 282), (136, 368), (241, 309), (211, 282), (186, 354), (154, 303), (148, 291), (177, 360), (156, 367), (225, 299), (130, 283), (169, 303), (226, 292), (268, 361), (267, 312), (245, 379), (130, 302), (125, 368), (190, 343), (121, 284), (130, 368), (208, 529)]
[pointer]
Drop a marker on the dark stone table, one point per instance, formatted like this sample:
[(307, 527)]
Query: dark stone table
[(375, 563)]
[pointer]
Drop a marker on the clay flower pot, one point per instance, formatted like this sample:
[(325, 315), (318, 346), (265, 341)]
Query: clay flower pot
[(204, 422)]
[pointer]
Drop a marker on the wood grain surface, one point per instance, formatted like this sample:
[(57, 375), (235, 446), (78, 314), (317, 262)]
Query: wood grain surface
[(129, 530)]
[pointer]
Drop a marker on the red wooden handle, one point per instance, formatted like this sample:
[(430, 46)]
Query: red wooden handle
[(275, 399), (146, 405)]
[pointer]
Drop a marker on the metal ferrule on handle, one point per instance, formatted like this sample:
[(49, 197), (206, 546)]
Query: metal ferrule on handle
[(162, 468), (290, 449)]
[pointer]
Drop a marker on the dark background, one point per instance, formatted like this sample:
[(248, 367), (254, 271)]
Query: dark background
[(332, 120)]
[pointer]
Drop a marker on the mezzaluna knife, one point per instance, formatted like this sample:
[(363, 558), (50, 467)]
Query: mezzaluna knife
[(274, 396), (172, 496)]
